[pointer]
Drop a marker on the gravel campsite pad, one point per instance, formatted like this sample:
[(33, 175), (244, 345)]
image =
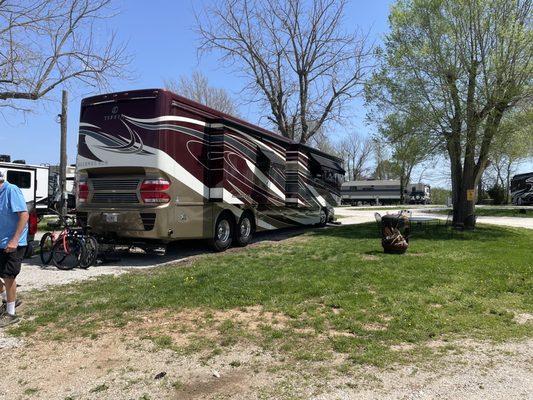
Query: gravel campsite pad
[(117, 366)]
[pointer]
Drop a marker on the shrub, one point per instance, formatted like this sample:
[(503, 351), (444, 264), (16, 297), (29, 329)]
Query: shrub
[(497, 194)]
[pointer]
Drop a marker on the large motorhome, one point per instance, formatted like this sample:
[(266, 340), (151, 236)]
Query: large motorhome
[(374, 191), (156, 167), (522, 189)]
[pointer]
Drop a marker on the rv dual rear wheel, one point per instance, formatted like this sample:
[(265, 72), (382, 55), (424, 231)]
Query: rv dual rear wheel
[(244, 231), (223, 233)]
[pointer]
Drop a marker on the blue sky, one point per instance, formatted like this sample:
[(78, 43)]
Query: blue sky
[(163, 44)]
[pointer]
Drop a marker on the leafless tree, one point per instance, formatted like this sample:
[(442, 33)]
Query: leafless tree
[(356, 152), (299, 63), (48, 43), (197, 88)]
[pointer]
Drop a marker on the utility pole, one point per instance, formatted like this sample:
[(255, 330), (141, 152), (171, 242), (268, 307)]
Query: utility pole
[(63, 155)]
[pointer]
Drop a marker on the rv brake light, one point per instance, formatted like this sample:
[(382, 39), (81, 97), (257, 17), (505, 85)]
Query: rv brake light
[(83, 191), (155, 185)]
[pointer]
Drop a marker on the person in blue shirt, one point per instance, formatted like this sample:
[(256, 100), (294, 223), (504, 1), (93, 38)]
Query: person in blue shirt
[(13, 235)]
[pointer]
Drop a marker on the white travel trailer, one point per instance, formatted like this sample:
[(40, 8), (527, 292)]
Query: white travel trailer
[(26, 177), (31, 179)]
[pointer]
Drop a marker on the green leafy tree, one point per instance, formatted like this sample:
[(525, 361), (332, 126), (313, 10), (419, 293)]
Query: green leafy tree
[(513, 143), (410, 145), (459, 66), (440, 195)]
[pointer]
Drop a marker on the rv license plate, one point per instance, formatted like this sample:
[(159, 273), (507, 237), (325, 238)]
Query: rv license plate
[(111, 217)]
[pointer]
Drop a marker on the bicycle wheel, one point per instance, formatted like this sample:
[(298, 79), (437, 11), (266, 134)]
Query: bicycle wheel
[(67, 253), (45, 246), (91, 252)]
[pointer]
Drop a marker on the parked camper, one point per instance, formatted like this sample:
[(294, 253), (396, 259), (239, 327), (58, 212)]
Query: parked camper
[(54, 187), (26, 178), (373, 191), (31, 179), (154, 166), (522, 189), (420, 193)]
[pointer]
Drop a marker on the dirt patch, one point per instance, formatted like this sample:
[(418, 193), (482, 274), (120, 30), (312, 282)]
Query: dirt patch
[(369, 257), (523, 318), (185, 326), (403, 347), (436, 344), (224, 386), (374, 326)]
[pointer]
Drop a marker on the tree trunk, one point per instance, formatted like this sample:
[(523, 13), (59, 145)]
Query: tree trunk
[(456, 168), (402, 185), (479, 190), (508, 182), (467, 203)]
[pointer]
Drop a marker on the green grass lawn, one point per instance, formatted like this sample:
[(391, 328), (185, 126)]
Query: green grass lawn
[(334, 288), (43, 223), (495, 212)]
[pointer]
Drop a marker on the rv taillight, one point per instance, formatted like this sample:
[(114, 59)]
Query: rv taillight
[(83, 191), (152, 191), (33, 222), (155, 185)]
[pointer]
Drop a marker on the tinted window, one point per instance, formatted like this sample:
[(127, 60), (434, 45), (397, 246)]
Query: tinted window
[(20, 178)]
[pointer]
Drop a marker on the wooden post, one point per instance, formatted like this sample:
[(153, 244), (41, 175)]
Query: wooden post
[(63, 154)]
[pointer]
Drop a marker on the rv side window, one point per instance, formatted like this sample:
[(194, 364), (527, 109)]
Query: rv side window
[(20, 178)]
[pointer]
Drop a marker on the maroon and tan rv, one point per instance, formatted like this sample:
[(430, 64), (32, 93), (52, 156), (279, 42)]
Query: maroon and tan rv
[(156, 167)]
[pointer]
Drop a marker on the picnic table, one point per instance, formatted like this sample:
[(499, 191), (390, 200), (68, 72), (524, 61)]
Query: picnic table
[(420, 220), (405, 222)]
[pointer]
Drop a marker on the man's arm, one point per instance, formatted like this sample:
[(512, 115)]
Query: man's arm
[(21, 224)]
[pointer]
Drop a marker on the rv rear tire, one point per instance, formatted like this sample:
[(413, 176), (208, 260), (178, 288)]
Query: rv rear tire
[(223, 234), (244, 231)]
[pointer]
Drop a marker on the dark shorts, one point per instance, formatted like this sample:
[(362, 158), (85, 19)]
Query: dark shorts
[(10, 262)]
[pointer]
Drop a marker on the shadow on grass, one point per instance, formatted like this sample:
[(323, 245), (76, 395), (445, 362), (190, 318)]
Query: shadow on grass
[(430, 232)]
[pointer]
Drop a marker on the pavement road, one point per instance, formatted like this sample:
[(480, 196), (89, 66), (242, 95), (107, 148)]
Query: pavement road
[(353, 215)]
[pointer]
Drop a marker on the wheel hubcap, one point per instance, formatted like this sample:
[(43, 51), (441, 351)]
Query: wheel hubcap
[(246, 227), (223, 230), (323, 216)]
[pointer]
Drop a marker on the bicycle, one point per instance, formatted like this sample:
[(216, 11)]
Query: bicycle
[(70, 247)]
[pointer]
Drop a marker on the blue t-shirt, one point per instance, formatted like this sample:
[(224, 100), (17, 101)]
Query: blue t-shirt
[(11, 202)]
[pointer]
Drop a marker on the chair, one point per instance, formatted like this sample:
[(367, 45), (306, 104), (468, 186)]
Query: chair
[(377, 216), (449, 218)]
